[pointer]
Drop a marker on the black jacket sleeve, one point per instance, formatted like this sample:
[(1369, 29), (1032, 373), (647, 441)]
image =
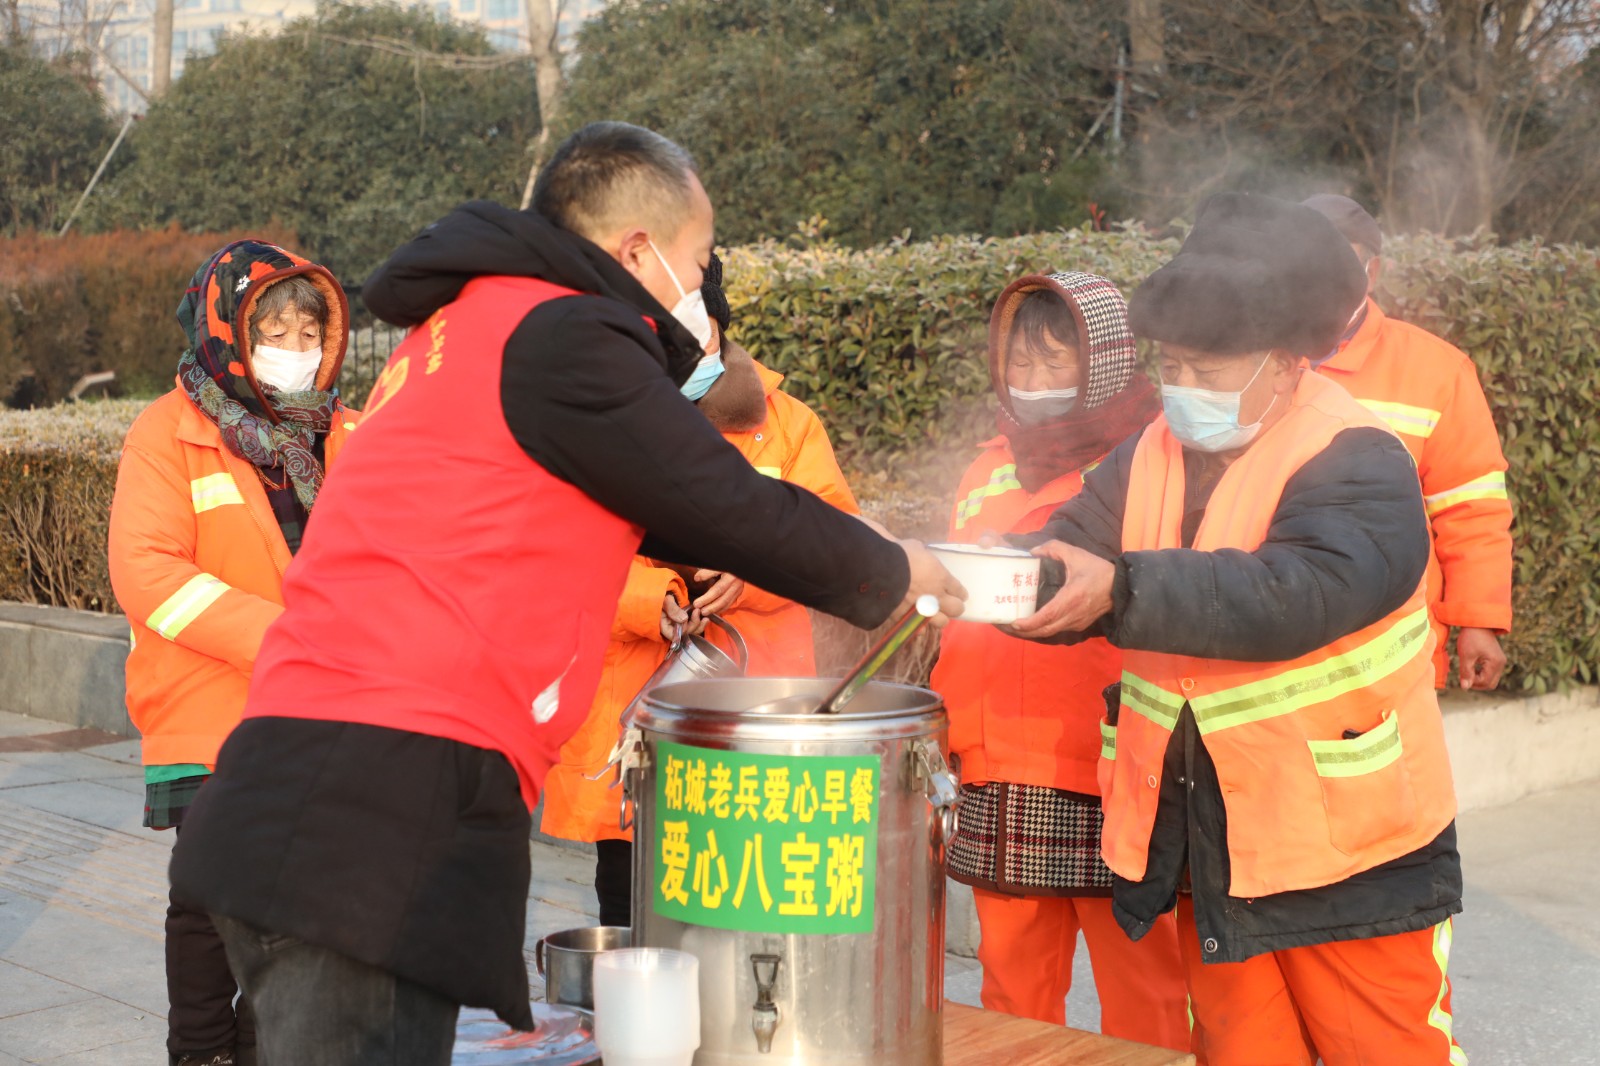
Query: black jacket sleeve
[(1348, 544), (585, 392)]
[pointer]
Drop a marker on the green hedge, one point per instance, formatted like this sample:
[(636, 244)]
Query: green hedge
[(888, 344), (58, 469), (1529, 315)]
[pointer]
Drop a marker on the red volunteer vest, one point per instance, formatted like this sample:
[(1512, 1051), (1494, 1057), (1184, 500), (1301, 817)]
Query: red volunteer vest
[(450, 586), (1308, 803)]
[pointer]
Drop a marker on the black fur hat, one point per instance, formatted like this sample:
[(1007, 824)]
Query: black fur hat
[(711, 291), (1255, 273)]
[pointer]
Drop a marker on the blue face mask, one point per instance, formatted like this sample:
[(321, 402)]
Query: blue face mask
[(706, 373), (1208, 421)]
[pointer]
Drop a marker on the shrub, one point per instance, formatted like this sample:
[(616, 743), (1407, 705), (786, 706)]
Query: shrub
[(108, 301), (1529, 315), (58, 469), (888, 345)]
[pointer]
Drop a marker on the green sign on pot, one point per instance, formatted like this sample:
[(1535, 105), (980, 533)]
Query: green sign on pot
[(765, 843)]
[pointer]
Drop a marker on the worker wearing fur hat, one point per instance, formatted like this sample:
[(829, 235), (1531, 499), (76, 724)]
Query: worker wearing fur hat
[(1274, 765), (1427, 390)]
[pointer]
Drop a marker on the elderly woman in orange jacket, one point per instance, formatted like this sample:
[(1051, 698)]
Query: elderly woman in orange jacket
[(217, 480), (1024, 718)]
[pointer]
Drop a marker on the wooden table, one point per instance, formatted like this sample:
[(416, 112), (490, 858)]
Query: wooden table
[(975, 1037)]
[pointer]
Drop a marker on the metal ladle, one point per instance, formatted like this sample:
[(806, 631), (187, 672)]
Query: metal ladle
[(854, 681)]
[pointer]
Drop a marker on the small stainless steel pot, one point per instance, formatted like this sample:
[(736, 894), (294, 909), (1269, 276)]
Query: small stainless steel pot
[(566, 961)]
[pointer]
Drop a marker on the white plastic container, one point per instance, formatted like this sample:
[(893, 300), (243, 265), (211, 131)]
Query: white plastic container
[(1002, 583), (647, 1007)]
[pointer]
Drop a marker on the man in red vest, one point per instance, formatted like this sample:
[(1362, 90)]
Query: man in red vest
[(1275, 765), (363, 845)]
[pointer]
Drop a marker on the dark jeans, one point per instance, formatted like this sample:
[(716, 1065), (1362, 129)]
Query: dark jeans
[(315, 1007), (613, 881), (201, 1016)]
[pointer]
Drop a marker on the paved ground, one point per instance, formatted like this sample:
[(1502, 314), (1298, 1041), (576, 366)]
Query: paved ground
[(82, 893)]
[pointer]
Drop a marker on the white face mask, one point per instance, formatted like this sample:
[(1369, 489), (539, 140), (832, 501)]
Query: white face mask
[(690, 310), (1043, 405), (284, 370), (1208, 421)]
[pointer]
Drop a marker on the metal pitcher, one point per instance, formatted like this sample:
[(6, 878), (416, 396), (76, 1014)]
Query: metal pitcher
[(691, 658), (694, 658)]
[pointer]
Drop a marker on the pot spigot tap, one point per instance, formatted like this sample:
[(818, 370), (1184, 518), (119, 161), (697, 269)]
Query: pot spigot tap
[(764, 1015)]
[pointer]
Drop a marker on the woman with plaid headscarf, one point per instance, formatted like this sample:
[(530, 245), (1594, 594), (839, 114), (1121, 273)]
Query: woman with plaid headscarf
[(214, 489), (1024, 718)]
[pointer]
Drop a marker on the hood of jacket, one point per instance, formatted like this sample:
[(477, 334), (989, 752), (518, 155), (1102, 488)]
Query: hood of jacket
[(215, 316), (1109, 358), (1115, 399), (481, 239)]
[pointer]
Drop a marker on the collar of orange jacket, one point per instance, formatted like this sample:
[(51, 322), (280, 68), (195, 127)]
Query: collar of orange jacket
[(770, 379), (1352, 354)]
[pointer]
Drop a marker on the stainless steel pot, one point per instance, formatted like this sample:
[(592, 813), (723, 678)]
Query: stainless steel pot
[(801, 859), (566, 961)]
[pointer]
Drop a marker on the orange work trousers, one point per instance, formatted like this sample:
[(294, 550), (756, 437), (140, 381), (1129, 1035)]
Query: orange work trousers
[(1026, 952), (1378, 1002)]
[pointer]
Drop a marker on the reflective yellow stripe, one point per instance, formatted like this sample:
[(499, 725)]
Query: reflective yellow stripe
[(1108, 741), (1150, 700), (185, 605), (1319, 682), (1403, 418), (1438, 1017), (1003, 480), (770, 471), (215, 490), (1368, 753), (1488, 487)]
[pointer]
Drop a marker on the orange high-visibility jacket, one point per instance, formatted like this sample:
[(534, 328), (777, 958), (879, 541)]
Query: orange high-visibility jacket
[(1427, 391), (197, 562), (1308, 804), (791, 445), (1020, 712)]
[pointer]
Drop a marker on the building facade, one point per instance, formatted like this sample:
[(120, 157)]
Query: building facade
[(117, 34)]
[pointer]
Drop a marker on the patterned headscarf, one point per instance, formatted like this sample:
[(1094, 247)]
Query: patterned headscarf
[(273, 431), (1115, 400)]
